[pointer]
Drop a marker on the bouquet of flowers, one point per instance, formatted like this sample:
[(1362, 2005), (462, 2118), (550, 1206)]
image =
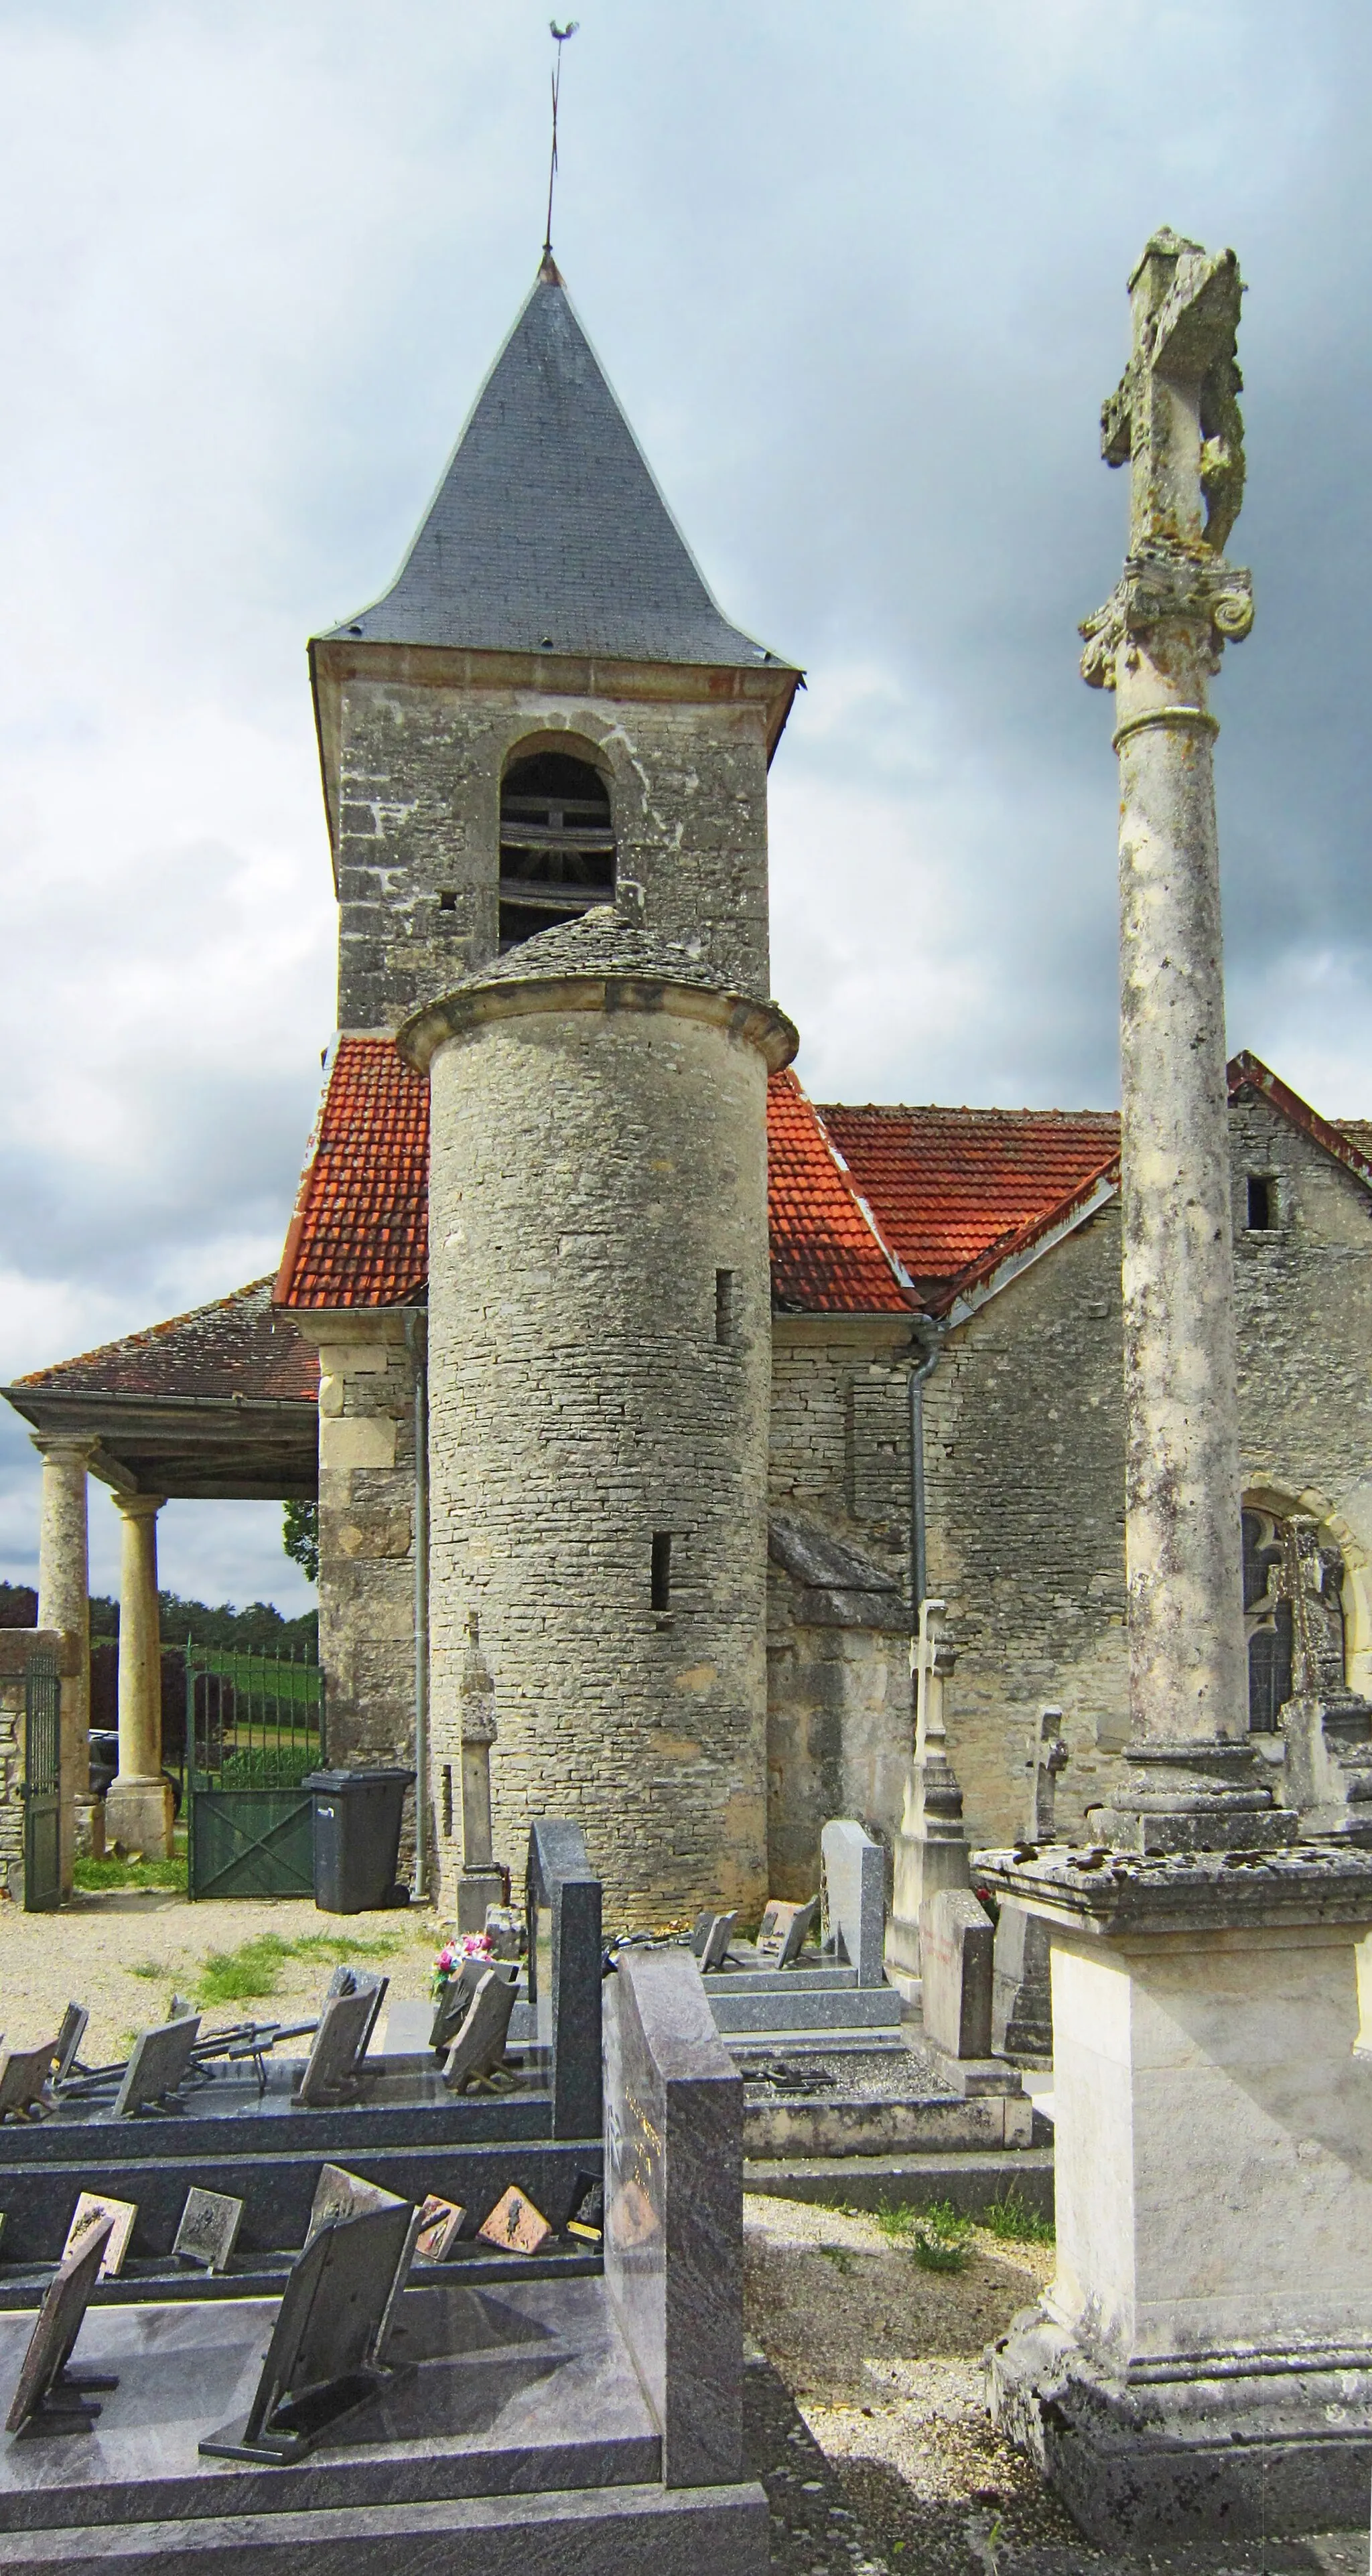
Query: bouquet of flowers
[(463, 1945)]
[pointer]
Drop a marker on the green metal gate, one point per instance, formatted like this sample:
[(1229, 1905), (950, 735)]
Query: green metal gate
[(42, 1784), (254, 1729)]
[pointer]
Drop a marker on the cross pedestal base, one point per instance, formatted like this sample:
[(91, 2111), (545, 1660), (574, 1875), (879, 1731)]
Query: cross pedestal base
[(140, 1814), (1203, 2360)]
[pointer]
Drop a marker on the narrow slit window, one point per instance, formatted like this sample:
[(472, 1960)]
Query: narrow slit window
[(447, 899), (724, 1307), (662, 1570), (1262, 1204), (447, 1800)]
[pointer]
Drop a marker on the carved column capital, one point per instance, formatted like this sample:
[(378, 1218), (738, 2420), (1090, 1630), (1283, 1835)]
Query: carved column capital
[(1173, 588)]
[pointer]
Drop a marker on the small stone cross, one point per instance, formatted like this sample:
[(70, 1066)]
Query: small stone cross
[(1174, 419), (932, 1659)]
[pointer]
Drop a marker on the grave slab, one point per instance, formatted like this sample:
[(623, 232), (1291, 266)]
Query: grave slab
[(853, 1898)]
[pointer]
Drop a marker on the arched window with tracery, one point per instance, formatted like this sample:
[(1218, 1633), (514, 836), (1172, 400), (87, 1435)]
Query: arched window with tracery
[(1293, 1612), (557, 844)]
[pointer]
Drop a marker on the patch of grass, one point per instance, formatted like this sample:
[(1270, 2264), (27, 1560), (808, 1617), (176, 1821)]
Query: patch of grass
[(337, 1948), (938, 2236), (1015, 2222), (244, 1975), (152, 1969), (841, 2256), (93, 1876)]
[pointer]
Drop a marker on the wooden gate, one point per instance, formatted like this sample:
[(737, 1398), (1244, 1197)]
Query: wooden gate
[(42, 1788), (254, 1730)]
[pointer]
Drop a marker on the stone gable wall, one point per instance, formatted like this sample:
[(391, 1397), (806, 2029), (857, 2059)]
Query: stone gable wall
[(419, 818)]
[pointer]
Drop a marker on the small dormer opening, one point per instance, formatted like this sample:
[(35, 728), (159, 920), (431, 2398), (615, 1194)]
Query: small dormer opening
[(557, 844), (1262, 1203)]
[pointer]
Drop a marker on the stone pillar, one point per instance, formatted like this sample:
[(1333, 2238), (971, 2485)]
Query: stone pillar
[(138, 1805), (64, 1604), (479, 1882), (1203, 2360)]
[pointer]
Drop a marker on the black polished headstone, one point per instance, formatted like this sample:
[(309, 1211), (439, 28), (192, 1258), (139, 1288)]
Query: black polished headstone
[(565, 1970), (674, 2208), (327, 2352)]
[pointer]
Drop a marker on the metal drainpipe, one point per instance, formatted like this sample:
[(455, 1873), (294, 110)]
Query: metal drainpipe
[(415, 1342), (919, 1560)]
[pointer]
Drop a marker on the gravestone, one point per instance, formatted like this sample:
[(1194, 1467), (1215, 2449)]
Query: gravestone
[(454, 2003), (47, 2385), (332, 2069), (360, 1981), (478, 2052), (340, 2194), (710, 1940), (674, 2209), (931, 1847), (956, 1944), (565, 1959), (852, 1888), (69, 2038), (97, 2212), (440, 2223), (159, 2065), (209, 2228), (515, 2225)]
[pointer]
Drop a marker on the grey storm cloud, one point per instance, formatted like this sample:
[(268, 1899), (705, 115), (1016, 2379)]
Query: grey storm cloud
[(859, 278)]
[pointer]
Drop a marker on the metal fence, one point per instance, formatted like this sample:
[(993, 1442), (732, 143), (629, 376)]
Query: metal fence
[(254, 1729)]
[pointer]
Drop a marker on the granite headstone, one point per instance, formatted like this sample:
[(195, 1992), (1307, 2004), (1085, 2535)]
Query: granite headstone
[(852, 1887), (956, 1945), (46, 2383), (158, 2066), (565, 1970), (478, 2051), (674, 2209)]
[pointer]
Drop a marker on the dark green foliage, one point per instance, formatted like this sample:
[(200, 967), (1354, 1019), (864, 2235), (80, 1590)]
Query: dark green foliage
[(300, 1537), (260, 1626)]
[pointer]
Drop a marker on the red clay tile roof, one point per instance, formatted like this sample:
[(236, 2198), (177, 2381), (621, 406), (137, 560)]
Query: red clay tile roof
[(827, 1254), (949, 1186), (360, 1232), (237, 1346)]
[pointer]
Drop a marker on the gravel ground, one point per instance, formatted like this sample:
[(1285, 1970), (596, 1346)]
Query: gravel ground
[(123, 1953), (882, 2074), (874, 2402)]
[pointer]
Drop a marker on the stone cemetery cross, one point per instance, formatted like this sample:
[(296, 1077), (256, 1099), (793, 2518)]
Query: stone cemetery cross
[(1211, 2018), (1175, 420), (1049, 1757)]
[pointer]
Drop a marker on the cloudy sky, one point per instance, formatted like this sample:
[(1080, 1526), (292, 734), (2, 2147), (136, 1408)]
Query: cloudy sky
[(858, 276)]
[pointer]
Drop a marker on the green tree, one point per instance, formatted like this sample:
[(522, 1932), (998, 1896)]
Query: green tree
[(300, 1537)]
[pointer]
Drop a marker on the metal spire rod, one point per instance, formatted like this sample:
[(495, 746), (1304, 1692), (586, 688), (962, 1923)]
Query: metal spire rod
[(559, 36)]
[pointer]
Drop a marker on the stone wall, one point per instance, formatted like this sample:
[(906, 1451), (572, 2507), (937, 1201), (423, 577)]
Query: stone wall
[(839, 1712), (418, 841), (366, 1532), (1024, 1463), (16, 1646), (591, 1174)]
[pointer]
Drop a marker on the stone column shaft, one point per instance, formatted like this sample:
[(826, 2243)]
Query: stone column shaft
[(138, 1806), (64, 1604), (1187, 1655)]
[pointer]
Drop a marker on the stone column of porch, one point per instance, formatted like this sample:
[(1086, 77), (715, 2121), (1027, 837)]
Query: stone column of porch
[(139, 1809), (1203, 2359), (64, 1604)]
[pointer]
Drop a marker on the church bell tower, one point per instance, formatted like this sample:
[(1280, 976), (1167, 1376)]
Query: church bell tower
[(545, 758)]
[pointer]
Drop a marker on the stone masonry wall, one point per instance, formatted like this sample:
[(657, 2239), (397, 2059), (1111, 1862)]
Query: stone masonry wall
[(366, 1537), (591, 1174), (1024, 1463), (418, 853), (839, 1713)]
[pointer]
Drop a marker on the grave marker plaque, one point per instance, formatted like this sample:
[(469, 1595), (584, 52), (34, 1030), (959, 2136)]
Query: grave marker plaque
[(91, 2211), (209, 2228), (440, 2222), (160, 2063), (328, 2345), (24, 2078), (46, 2386), (332, 2069), (477, 2054), (784, 1931), (516, 2226)]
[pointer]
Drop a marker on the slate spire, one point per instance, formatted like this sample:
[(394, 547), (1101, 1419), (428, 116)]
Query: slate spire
[(548, 532)]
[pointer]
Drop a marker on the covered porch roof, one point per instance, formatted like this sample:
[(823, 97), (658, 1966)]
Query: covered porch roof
[(220, 1405)]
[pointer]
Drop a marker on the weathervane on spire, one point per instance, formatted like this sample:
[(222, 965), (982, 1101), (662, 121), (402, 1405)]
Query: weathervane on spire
[(559, 36)]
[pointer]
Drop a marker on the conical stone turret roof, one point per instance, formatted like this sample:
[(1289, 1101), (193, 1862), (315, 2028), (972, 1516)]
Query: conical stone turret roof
[(548, 532)]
